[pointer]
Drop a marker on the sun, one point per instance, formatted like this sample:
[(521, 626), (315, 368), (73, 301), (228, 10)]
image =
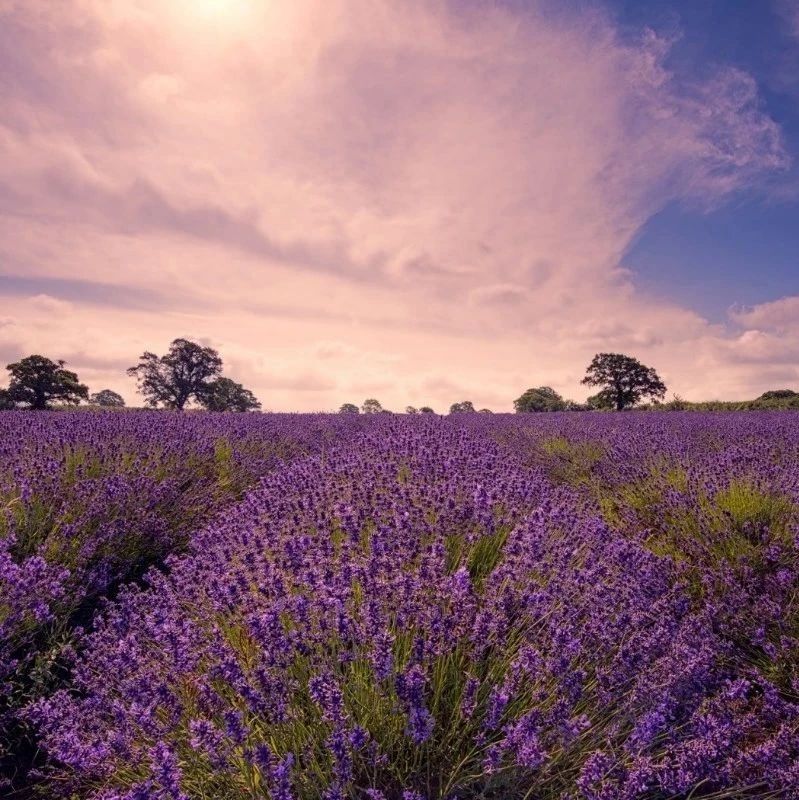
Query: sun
[(225, 11)]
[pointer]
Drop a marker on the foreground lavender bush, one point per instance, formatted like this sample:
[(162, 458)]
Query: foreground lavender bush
[(90, 500), (419, 614)]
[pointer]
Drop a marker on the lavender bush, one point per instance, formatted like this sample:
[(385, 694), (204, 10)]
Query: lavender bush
[(575, 607), (91, 500)]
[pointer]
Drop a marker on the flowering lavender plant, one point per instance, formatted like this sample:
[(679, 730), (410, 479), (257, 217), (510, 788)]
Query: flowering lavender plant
[(89, 501)]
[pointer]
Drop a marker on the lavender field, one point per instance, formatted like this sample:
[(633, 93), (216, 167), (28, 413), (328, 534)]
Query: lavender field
[(538, 606)]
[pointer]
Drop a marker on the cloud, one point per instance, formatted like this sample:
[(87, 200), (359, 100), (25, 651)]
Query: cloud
[(779, 316), (445, 191), (82, 291)]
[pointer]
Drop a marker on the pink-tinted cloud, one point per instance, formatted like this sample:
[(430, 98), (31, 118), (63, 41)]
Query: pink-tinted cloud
[(779, 316), (443, 191)]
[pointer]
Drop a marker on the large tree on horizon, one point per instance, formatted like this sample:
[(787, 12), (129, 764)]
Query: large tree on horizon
[(36, 381), (623, 380), (184, 373)]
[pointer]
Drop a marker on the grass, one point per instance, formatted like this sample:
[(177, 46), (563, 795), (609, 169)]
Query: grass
[(728, 533)]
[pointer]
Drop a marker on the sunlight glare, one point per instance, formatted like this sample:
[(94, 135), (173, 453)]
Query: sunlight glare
[(229, 12)]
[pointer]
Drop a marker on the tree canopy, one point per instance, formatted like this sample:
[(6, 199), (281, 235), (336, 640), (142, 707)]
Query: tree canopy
[(777, 394), (37, 381), (465, 406), (107, 398), (348, 408), (224, 394), (183, 374), (371, 406), (426, 410), (411, 410), (624, 381), (543, 398)]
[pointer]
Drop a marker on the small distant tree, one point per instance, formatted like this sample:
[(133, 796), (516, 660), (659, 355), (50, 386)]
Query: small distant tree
[(544, 398), (778, 394), (485, 411), (426, 410), (464, 407), (348, 408), (625, 381), (183, 374), (6, 403), (224, 394), (601, 401), (107, 399), (411, 410), (371, 406), (37, 381)]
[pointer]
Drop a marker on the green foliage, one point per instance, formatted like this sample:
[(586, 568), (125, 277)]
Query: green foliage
[(183, 374), (777, 394), (36, 381), (782, 403), (426, 410), (411, 410), (731, 525), (464, 407), (544, 398), (601, 401), (348, 408), (570, 462), (224, 394), (107, 398), (741, 530), (624, 380), (371, 406)]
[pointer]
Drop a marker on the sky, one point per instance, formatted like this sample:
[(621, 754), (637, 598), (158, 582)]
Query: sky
[(422, 202)]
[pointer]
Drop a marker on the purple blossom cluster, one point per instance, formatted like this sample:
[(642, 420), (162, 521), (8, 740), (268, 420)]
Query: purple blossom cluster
[(89, 501), (584, 607)]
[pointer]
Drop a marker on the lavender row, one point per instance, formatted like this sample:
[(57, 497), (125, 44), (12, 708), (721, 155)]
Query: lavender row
[(91, 500)]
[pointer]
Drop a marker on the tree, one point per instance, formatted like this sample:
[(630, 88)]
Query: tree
[(778, 394), (465, 406), (411, 410), (36, 381), (6, 403), (107, 398), (601, 401), (624, 380), (183, 374), (371, 406), (224, 394), (485, 411), (543, 398), (426, 410), (348, 408)]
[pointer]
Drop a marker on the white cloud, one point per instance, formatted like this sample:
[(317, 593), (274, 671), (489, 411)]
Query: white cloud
[(780, 316)]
